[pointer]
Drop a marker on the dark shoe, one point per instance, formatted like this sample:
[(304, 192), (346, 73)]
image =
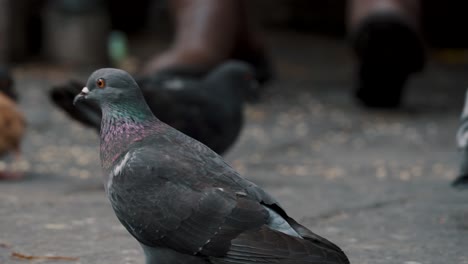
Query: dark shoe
[(385, 37), (389, 50)]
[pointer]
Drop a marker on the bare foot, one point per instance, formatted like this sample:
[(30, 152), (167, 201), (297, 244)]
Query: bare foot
[(208, 32)]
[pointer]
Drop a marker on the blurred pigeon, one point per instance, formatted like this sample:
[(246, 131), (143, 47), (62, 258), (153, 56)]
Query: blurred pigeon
[(12, 128), (181, 200), (462, 144), (208, 108)]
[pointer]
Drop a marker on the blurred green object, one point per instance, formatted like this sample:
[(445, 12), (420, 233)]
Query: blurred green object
[(117, 47)]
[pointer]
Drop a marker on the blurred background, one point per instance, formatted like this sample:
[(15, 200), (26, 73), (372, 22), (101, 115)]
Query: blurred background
[(25, 23), (352, 127)]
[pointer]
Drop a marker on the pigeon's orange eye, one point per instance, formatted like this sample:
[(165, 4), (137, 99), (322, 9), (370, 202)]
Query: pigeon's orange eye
[(100, 83)]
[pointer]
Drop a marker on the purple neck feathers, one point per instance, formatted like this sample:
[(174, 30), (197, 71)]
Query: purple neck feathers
[(119, 130)]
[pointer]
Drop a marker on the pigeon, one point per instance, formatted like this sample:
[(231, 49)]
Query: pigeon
[(462, 144), (179, 199), (208, 108), (12, 128)]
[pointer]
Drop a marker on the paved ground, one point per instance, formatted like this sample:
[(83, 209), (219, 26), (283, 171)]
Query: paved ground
[(376, 183)]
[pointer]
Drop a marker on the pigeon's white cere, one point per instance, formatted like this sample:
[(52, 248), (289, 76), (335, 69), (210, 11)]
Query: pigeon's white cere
[(85, 90), (118, 168), (276, 222)]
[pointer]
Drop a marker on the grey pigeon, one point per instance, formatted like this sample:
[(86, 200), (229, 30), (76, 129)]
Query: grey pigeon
[(462, 144), (208, 108), (180, 199)]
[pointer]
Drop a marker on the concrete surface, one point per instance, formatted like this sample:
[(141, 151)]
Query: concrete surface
[(374, 182)]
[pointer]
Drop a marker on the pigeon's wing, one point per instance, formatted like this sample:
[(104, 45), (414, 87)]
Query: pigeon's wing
[(185, 214), (227, 176), (265, 245), (278, 215), (273, 206), (276, 212)]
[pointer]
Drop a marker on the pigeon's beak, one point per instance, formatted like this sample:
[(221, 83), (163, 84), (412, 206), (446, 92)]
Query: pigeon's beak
[(81, 95)]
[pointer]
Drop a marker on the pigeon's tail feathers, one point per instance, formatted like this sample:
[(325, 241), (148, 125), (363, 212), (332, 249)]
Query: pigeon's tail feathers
[(85, 113), (316, 239), (303, 232), (461, 182), (267, 246)]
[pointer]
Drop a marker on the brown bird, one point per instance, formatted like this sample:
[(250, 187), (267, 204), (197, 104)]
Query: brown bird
[(12, 127)]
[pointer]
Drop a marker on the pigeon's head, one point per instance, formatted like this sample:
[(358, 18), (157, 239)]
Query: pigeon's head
[(109, 86), (238, 73)]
